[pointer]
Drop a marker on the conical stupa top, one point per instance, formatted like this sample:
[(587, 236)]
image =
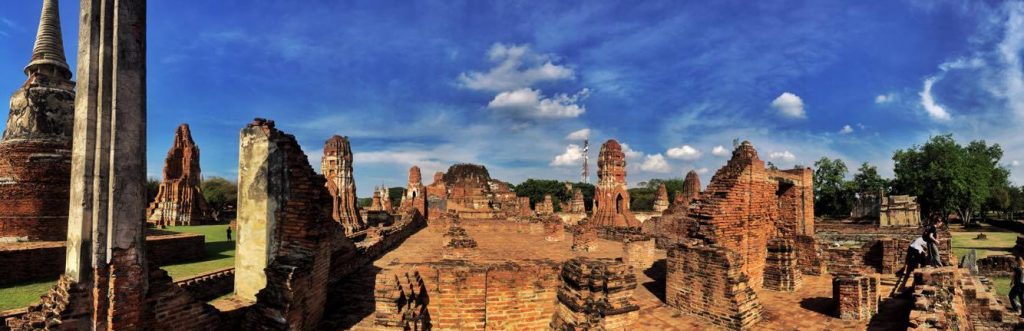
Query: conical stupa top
[(49, 48)]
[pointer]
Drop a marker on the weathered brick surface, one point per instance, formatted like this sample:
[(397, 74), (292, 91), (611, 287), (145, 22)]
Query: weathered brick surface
[(661, 202), (985, 309), (208, 286), (638, 254), (611, 197), (937, 305), (868, 248), (460, 295), (996, 265), (596, 294), (546, 207), (64, 307), (855, 296), (415, 193), (179, 200), (172, 307), (554, 229), (336, 166), (34, 182), (707, 281), (691, 189), (584, 238), (45, 259), (782, 270)]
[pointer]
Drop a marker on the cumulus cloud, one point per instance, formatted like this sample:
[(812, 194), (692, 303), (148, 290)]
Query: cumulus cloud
[(684, 152), (719, 151), (573, 156), (528, 102), (789, 105), (579, 135), (934, 110), (702, 170), (1015, 163), (630, 153), (516, 66), (885, 98), (783, 156), (847, 129), (655, 163)]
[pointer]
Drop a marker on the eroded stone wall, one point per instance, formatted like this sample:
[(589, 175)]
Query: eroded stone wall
[(708, 281)]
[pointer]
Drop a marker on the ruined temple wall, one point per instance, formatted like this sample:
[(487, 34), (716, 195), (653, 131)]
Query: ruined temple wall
[(34, 182), (708, 281), (460, 295)]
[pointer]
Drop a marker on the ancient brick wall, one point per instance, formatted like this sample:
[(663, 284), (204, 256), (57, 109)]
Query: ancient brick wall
[(45, 259), (466, 296), (174, 308), (208, 286), (708, 281), (782, 271), (994, 266), (869, 248), (796, 201), (34, 182), (938, 305), (855, 296), (611, 198), (810, 255), (985, 309), (639, 254), (596, 294)]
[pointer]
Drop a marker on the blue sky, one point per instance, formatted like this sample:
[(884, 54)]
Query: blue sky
[(514, 84)]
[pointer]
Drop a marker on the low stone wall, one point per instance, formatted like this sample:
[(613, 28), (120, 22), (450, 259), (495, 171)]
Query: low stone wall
[(865, 248), (45, 259), (211, 285), (937, 303), (347, 258), (621, 234), (996, 266), (503, 226)]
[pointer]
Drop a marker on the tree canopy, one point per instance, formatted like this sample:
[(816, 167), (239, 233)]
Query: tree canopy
[(833, 196), (219, 194), (537, 188)]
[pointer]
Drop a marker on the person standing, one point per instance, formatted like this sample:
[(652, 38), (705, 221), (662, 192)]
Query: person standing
[(931, 236), (229, 233), (1017, 286)]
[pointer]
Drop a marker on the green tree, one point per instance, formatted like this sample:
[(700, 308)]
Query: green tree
[(219, 194), (867, 179), (671, 185), (1016, 201), (642, 198), (947, 177), (833, 196), (152, 188), (395, 195)]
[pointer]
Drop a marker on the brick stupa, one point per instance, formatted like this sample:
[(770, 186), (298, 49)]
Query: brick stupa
[(179, 200), (691, 189), (661, 201), (35, 151), (415, 193), (611, 199), (336, 166)]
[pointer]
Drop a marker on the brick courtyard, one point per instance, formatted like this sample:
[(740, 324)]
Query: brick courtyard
[(809, 308)]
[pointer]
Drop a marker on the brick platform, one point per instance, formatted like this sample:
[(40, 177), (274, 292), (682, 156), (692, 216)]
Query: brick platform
[(855, 296)]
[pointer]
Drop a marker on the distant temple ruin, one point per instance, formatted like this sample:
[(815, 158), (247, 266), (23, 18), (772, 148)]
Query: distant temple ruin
[(611, 197), (179, 200), (899, 210), (336, 166)]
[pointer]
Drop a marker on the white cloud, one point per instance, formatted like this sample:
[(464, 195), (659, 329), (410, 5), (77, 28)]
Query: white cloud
[(719, 151), (784, 156), (789, 105), (655, 163), (934, 110), (630, 153), (1015, 163), (702, 170), (847, 129), (885, 98), (685, 152), (581, 134), (527, 102), (573, 156), (516, 66)]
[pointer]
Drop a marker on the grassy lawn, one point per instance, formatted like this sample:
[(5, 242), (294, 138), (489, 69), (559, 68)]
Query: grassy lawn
[(220, 252), (999, 241), (23, 294)]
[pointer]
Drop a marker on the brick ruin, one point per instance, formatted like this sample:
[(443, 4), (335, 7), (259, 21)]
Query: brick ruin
[(35, 150), (179, 200), (468, 191), (661, 202), (691, 189), (782, 267), (899, 210), (638, 254), (545, 207), (726, 232), (855, 296), (611, 199), (415, 196), (336, 166)]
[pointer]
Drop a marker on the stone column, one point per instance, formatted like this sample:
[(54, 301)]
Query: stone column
[(108, 175)]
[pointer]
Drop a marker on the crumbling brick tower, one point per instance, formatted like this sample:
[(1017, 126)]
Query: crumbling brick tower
[(437, 198), (661, 203), (336, 166), (611, 199), (415, 193), (35, 151), (285, 231), (691, 189), (179, 200)]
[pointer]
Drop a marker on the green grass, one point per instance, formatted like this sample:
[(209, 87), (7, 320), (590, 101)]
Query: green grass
[(1002, 285), (999, 241), (24, 293), (220, 252)]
